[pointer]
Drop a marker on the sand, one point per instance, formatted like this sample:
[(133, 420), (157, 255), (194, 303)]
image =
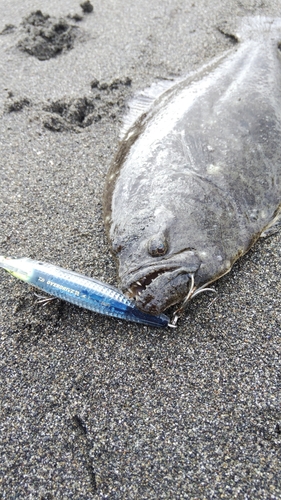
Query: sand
[(92, 407)]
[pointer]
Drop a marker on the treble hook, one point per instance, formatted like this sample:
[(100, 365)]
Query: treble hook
[(191, 294)]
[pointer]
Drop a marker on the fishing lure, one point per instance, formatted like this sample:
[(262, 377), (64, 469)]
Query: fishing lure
[(79, 290)]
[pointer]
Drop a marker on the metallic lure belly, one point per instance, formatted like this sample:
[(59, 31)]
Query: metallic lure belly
[(80, 290)]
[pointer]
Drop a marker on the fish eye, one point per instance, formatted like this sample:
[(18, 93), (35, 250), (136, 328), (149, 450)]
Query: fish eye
[(157, 246)]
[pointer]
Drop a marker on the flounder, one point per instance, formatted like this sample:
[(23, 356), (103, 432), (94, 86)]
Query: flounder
[(197, 176)]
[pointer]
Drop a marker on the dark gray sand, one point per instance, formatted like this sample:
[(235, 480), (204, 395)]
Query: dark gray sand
[(92, 407)]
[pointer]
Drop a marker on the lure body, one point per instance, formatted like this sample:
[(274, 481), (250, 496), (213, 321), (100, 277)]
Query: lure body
[(80, 290)]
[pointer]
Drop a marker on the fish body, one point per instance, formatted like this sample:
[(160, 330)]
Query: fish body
[(197, 178), (80, 290)]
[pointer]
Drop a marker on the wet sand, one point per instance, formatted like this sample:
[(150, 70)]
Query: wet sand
[(92, 407)]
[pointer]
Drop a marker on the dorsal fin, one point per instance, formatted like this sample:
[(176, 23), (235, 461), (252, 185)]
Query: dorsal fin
[(143, 101), (251, 27)]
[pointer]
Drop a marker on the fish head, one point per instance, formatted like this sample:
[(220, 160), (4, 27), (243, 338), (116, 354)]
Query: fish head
[(155, 265)]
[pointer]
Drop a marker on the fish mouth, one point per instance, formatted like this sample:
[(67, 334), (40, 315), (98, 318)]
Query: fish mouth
[(143, 281), (157, 287)]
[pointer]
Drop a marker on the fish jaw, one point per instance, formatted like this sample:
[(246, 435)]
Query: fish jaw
[(160, 285), (164, 291)]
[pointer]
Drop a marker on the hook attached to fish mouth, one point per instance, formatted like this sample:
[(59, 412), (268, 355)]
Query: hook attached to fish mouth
[(156, 285), (156, 289), (163, 287), (193, 291)]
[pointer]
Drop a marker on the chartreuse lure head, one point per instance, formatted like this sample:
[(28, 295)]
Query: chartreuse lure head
[(19, 268)]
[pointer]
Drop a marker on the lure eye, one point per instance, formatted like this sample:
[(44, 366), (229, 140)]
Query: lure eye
[(157, 246)]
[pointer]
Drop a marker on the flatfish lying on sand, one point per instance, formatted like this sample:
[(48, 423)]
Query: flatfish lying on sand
[(197, 177)]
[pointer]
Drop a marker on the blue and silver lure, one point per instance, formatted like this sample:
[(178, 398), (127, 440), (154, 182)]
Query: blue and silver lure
[(79, 290)]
